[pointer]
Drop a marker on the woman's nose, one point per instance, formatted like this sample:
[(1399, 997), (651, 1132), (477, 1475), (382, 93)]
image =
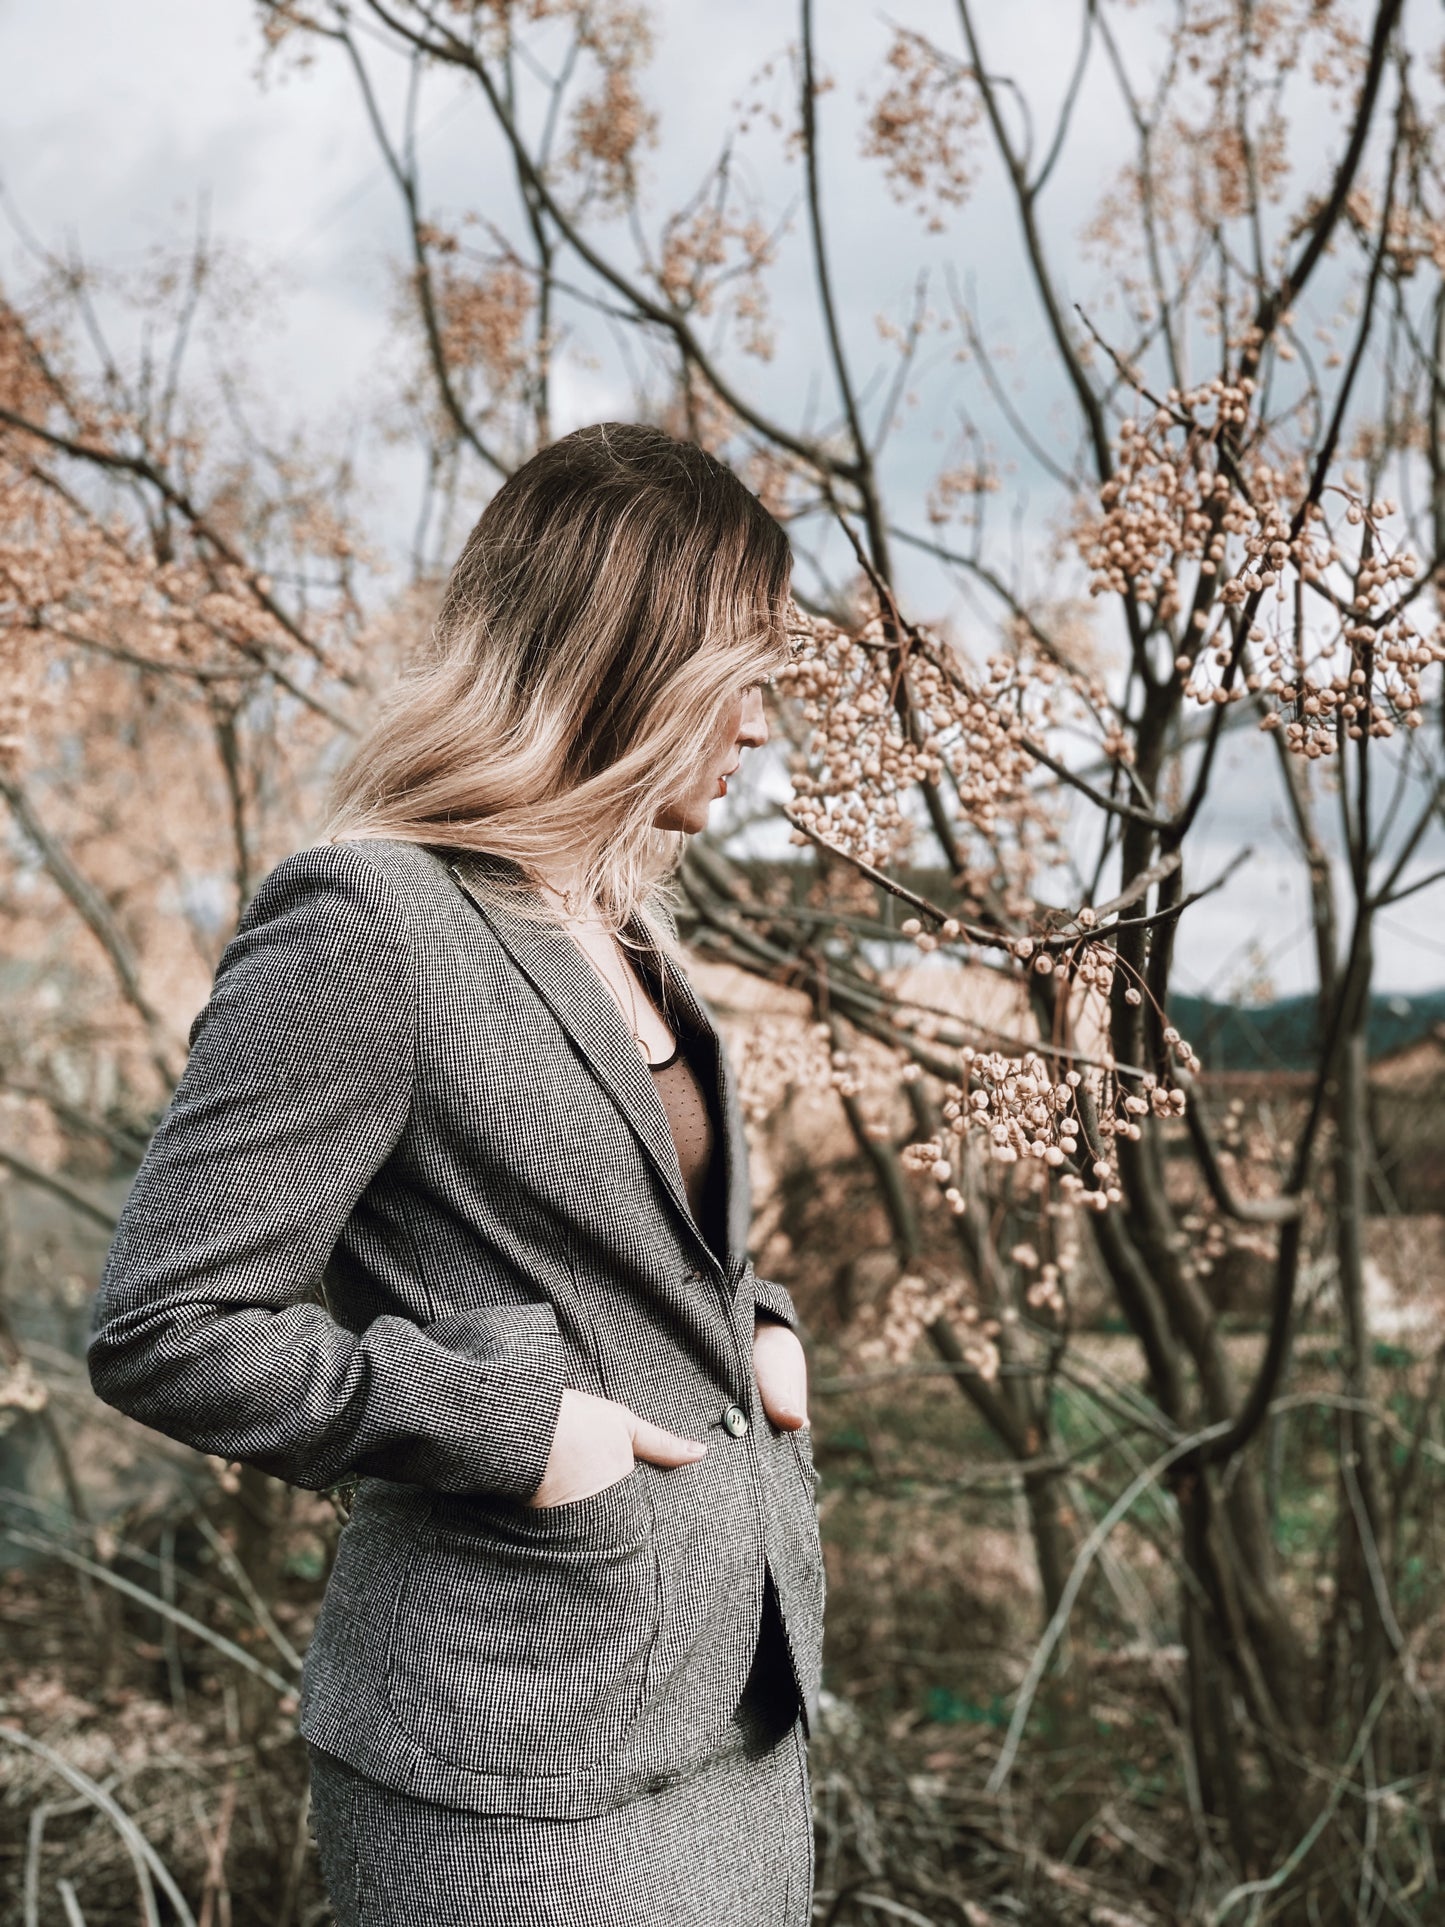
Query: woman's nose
[(753, 729)]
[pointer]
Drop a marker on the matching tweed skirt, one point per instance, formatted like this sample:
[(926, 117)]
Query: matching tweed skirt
[(731, 1845)]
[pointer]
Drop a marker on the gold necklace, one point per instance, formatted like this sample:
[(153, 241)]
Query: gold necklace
[(626, 977), (631, 998)]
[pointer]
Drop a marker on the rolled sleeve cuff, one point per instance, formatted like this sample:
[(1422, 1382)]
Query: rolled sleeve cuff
[(521, 1379), (772, 1300)]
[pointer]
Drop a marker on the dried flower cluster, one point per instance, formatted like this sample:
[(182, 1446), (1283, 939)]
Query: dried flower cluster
[(610, 122), (179, 622), (954, 493), (922, 127), (484, 313), (708, 250), (1182, 529), (1216, 157), (889, 1333), (89, 587)]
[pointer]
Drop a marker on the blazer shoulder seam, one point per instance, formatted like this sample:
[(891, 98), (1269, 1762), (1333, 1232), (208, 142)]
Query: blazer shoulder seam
[(357, 849)]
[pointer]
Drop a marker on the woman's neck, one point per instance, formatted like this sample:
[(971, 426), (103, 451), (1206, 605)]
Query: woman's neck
[(560, 884)]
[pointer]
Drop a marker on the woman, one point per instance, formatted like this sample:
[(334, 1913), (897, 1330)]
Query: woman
[(452, 1200)]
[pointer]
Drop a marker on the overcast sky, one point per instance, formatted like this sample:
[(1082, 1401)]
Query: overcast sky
[(121, 118)]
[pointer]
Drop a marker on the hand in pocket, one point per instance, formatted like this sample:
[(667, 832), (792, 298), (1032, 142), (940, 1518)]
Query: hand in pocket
[(780, 1366), (596, 1444)]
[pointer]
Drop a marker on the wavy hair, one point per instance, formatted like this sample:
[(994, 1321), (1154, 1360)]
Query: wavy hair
[(614, 596)]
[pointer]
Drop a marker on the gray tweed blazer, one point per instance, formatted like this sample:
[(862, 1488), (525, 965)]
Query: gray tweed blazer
[(415, 1180)]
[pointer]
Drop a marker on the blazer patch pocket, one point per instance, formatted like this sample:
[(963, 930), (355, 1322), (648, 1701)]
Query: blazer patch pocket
[(522, 1637), (795, 1485), (803, 1448)]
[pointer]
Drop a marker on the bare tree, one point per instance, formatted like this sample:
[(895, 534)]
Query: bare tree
[(1251, 489)]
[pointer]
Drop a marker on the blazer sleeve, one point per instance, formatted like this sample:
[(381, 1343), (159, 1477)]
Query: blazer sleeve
[(297, 1089), (773, 1302)]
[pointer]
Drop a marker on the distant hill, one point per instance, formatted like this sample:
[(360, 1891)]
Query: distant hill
[(1283, 1036)]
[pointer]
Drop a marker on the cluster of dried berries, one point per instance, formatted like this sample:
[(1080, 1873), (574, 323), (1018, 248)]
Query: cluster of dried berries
[(922, 127), (851, 777), (1167, 504), (775, 1057), (953, 494), (1347, 664), (859, 761), (484, 312), (707, 250), (20, 1392), (778, 1056), (1208, 1243), (1047, 1287), (1066, 1126), (852, 771), (78, 591), (90, 590), (1361, 672), (1210, 160), (889, 1333)]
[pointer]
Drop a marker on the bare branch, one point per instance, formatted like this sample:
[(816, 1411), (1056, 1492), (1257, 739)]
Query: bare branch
[(97, 917), (457, 53), (59, 1187)]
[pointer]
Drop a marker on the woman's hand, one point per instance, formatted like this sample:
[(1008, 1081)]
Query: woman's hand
[(780, 1366), (597, 1442)]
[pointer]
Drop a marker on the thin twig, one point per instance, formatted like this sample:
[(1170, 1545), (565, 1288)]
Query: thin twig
[(253, 1599), (95, 913), (216, 1898), (1088, 1552), (73, 1916), (77, 1199), (143, 1855), (156, 1605)]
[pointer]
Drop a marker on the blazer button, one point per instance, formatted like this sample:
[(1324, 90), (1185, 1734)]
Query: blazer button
[(735, 1419)]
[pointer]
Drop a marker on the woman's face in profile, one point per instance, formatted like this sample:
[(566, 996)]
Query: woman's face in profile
[(742, 726)]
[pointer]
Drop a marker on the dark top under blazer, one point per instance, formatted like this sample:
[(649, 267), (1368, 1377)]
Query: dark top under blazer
[(416, 1179)]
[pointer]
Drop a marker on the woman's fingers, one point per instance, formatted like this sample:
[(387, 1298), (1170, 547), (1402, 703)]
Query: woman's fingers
[(780, 1366), (590, 1449), (662, 1447), (597, 1442)]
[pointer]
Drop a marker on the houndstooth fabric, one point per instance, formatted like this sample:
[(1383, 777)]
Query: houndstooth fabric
[(728, 1843), (417, 1179)]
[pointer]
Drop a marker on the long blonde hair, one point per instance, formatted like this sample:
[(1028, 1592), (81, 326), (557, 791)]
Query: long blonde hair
[(613, 597)]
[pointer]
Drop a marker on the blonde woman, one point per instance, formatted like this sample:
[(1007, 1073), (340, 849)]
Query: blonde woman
[(452, 1201)]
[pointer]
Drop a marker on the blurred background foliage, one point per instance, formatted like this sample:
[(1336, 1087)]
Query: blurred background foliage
[(1121, 1269)]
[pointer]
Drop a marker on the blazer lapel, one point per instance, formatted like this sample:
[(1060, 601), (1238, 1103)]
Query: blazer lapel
[(681, 999), (588, 1013)]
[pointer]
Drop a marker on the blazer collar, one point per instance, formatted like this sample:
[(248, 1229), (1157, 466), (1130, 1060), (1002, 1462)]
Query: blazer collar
[(589, 1014)]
